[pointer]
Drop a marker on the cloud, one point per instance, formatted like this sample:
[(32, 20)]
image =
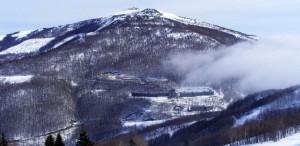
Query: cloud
[(273, 62)]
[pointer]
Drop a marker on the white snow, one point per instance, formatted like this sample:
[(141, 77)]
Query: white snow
[(127, 77), (74, 84), (64, 41), (28, 46), (166, 130), (91, 33), (193, 89), (110, 20), (234, 33), (128, 11), (204, 24), (77, 57), (22, 34), (118, 76), (182, 35), (293, 140), (244, 119), (142, 123), (171, 16), (98, 91), (171, 131), (2, 37), (15, 79), (152, 79)]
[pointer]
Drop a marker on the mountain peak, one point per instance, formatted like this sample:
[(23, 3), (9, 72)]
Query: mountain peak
[(133, 8), (137, 11), (150, 12)]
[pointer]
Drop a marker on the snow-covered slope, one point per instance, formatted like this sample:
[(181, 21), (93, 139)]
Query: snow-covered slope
[(292, 140), (291, 100), (15, 79), (2, 37), (21, 34), (28, 46)]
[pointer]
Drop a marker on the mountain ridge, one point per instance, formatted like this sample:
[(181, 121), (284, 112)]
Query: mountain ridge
[(95, 25)]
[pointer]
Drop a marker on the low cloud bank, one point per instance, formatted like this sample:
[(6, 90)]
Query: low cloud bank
[(273, 62)]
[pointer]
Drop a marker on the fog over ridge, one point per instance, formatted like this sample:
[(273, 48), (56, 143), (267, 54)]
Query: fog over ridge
[(272, 62)]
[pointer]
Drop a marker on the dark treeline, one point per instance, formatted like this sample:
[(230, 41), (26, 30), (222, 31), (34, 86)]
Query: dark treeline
[(83, 140), (36, 100), (3, 141), (50, 141), (277, 124), (128, 140)]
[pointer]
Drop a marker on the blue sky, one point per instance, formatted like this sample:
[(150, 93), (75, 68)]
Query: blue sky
[(259, 17)]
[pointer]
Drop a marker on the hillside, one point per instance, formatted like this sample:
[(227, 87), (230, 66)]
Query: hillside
[(262, 117)]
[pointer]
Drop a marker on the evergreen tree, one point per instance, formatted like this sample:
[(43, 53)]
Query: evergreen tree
[(3, 141), (59, 141), (131, 143), (49, 141), (84, 140)]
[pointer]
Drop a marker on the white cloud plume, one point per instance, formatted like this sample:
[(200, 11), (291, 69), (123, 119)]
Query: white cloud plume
[(269, 63)]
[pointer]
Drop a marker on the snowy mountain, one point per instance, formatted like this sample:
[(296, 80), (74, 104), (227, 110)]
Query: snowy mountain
[(82, 76), (42, 40)]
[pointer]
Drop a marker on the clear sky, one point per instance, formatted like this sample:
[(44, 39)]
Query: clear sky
[(259, 17)]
